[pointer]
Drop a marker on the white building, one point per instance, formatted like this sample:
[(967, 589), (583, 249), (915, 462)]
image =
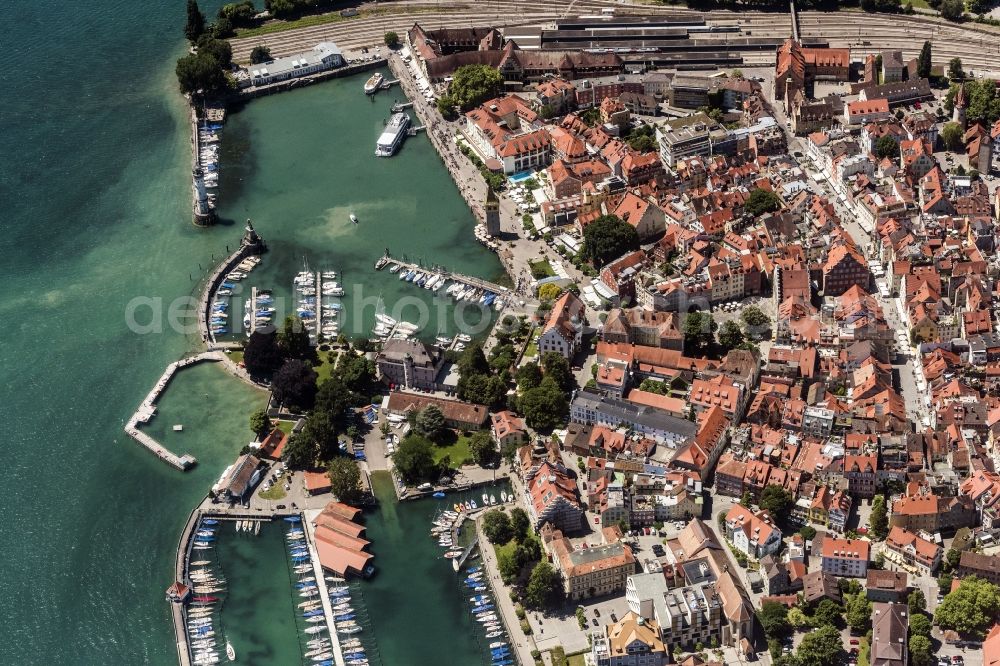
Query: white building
[(752, 534), (323, 56)]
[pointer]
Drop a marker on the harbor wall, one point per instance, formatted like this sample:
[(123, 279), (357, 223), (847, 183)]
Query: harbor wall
[(212, 284), (147, 409), (246, 94)]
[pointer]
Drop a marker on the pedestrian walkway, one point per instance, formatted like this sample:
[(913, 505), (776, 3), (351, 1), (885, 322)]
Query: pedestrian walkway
[(147, 410)]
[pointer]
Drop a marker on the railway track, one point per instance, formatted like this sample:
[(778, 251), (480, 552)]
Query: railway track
[(978, 46)]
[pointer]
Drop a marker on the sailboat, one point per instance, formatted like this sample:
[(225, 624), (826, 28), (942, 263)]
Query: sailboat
[(230, 652)]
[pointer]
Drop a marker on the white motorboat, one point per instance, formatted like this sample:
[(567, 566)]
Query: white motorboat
[(374, 83), (230, 652)]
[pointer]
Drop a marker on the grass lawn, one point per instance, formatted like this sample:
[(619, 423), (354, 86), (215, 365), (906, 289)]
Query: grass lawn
[(327, 360), (305, 21), (576, 659), (510, 547), (919, 4), (863, 652), (541, 269), (286, 426), (236, 356), (276, 492), (322, 19), (458, 451)]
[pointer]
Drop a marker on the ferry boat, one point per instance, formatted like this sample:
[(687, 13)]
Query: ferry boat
[(374, 83), (392, 135)]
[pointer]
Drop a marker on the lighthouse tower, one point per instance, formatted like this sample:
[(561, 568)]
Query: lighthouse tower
[(204, 214)]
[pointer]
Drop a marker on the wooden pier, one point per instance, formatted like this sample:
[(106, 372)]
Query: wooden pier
[(147, 410), (324, 592), (467, 280)]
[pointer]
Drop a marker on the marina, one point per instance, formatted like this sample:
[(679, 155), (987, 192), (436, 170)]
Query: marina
[(462, 287)]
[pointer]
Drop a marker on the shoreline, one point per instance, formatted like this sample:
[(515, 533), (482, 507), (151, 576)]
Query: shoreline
[(250, 244)]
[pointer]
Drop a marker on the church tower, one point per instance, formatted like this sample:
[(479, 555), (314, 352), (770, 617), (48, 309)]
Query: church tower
[(961, 104)]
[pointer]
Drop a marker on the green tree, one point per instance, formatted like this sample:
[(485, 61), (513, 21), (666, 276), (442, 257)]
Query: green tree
[(556, 368), (219, 49), (762, 201), (731, 335), (414, 459), (259, 423), (545, 406), (293, 338), (828, 614), (955, 71), (944, 582), (294, 385), (473, 361), (858, 612), (549, 291), (484, 451), (446, 107), (754, 316), (345, 479), (607, 238), (952, 10), (921, 653), (261, 355), (222, 28), (878, 521), (238, 13), (775, 500), (820, 648), (971, 608), (321, 430), (746, 499), (299, 451), (773, 618), (924, 61), (259, 54), (496, 527), (519, 523), (430, 422), (544, 587), (391, 39), (472, 85), (699, 331), (195, 25), (951, 136), (951, 559), (508, 565), (654, 386), (200, 72), (808, 532), (886, 146), (528, 376), (917, 603), (335, 399), (920, 625), (483, 389), (797, 619)]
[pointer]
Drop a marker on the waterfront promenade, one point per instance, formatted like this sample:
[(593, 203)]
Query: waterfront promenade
[(519, 641), (515, 253)]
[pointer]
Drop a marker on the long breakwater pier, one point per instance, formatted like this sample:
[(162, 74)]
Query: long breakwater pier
[(147, 410)]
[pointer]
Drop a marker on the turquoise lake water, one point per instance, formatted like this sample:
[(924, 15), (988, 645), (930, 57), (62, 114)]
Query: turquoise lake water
[(94, 161)]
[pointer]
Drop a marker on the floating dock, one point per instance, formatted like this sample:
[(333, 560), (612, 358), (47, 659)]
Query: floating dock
[(467, 280), (147, 410)]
